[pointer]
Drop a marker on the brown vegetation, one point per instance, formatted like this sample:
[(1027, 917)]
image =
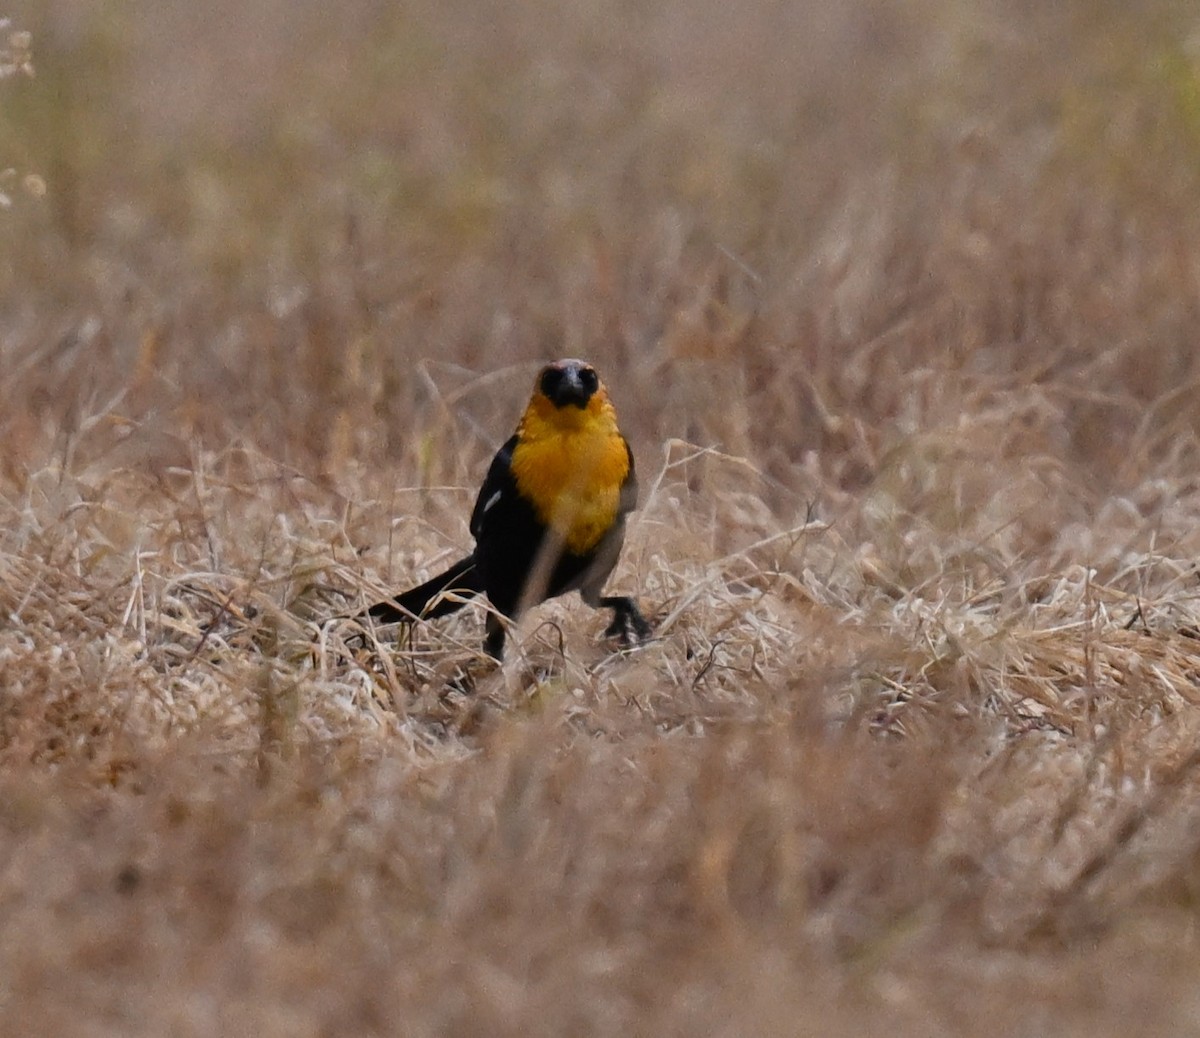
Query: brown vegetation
[(899, 305)]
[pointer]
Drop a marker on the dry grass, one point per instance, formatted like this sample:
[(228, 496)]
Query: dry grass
[(899, 305)]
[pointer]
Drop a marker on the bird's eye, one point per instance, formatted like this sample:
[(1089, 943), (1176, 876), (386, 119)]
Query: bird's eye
[(551, 380), (589, 379)]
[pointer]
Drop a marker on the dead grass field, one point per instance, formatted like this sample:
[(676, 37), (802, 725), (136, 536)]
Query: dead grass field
[(899, 303)]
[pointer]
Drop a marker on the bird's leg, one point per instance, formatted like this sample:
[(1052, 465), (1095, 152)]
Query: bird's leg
[(628, 624), (493, 644)]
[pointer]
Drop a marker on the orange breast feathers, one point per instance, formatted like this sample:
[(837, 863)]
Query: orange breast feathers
[(570, 463)]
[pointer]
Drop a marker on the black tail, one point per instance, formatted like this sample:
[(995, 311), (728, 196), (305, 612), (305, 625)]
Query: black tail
[(459, 582)]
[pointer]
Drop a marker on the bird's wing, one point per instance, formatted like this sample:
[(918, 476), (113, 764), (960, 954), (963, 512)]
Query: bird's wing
[(496, 484)]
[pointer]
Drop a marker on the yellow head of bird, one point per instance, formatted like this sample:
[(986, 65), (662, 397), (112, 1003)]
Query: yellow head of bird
[(569, 393)]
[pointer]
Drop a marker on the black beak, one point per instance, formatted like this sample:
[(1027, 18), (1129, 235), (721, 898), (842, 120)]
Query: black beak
[(571, 390)]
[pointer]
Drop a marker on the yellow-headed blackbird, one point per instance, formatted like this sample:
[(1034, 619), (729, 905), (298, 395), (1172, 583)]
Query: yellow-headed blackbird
[(550, 517)]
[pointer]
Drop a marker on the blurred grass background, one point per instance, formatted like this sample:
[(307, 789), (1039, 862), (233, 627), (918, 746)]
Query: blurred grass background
[(289, 212), (898, 304)]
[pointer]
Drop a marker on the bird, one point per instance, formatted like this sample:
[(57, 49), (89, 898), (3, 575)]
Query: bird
[(549, 518)]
